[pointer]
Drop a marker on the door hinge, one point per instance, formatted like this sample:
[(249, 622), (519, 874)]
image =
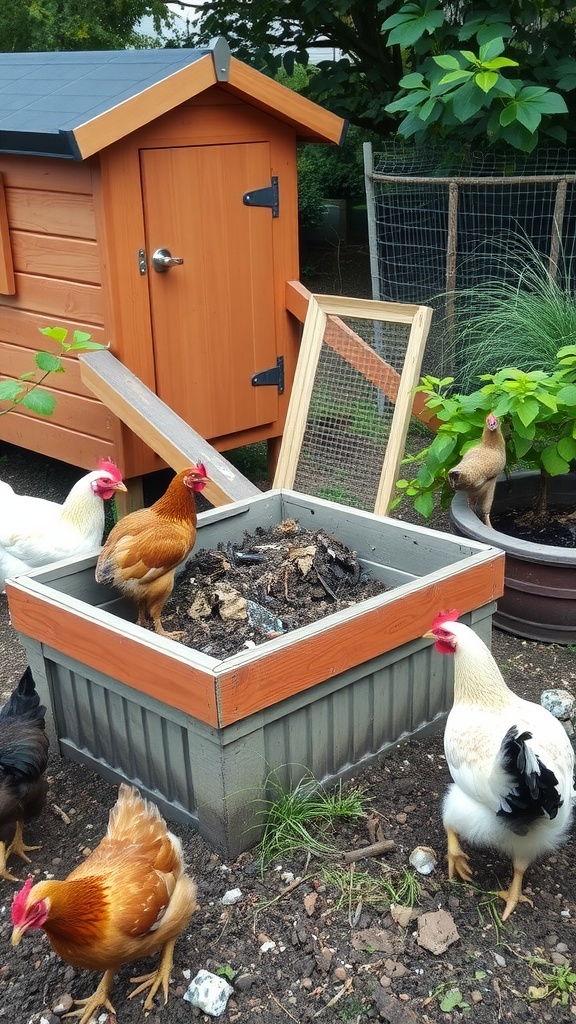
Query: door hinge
[(268, 196), (274, 377)]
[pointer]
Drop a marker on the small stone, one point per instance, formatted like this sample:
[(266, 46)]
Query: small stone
[(231, 897), (244, 982), (500, 960), (307, 984), (209, 992), (559, 703), (63, 1004), (559, 960), (340, 974), (476, 996), (401, 818), (268, 946)]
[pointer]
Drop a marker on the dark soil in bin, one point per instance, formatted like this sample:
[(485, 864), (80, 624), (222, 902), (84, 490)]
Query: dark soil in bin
[(276, 580), (558, 529)]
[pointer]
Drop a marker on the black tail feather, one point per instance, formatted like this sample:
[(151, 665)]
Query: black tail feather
[(534, 792)]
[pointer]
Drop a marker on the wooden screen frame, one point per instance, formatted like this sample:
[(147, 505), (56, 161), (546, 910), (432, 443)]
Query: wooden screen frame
[(325, 311)]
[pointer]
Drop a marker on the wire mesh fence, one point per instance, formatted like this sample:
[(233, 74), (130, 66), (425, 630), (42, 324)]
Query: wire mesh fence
[(440, 222)]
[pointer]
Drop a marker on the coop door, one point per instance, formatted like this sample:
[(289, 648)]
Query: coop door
[(213, 314)]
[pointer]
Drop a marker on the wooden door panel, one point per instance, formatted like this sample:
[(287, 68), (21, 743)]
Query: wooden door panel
[(212, 317)]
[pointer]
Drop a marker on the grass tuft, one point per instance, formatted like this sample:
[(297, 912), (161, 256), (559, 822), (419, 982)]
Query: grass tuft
[(301, 820)]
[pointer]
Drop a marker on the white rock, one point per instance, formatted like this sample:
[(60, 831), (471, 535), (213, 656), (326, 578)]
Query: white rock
[(267, 946), (209, 993), (423, 859), (560, 703), (231, 896)]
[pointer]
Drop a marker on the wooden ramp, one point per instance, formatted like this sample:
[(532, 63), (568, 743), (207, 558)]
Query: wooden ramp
[(159, 427)]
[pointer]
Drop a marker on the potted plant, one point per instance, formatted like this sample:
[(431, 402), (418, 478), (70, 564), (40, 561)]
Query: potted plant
[(537, 411)]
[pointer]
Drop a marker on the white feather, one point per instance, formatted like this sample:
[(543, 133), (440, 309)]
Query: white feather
[(483, 712), (35, 531)]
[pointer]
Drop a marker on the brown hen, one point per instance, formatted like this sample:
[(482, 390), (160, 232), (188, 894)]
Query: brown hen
[(144, 549), (128, 899), (479, 467)]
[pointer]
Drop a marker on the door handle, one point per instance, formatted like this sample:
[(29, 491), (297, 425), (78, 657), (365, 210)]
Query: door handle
[(162, 260)]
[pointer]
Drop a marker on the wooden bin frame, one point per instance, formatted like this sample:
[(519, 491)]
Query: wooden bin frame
[(325, 311)]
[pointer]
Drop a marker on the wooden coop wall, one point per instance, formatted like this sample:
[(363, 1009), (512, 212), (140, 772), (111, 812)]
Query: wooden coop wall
[(75, 233), (52, 243)]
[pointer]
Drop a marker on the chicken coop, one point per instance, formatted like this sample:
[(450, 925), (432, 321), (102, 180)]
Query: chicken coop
[(149, 198)]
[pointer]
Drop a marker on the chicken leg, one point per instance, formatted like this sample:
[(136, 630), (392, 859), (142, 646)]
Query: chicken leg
[(160, 977), (458, 861), (4, 873), (100, 998), (18, 846), (514, 895)]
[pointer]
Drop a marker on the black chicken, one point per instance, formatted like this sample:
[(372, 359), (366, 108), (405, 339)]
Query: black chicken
[(23, 761)]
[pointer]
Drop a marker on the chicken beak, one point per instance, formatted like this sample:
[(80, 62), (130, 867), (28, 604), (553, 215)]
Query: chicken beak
[(120, 486), (428, 636), (17, 934)]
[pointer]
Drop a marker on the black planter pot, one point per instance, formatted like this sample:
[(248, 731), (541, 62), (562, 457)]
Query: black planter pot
[(539, 600)]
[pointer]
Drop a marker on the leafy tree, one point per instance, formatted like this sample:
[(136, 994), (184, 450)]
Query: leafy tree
[(77, 24), (475, 68)]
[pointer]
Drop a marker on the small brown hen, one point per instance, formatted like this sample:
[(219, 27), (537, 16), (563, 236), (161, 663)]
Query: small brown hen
[(128, 899), (479, 467), (144, 549), (23, 761)]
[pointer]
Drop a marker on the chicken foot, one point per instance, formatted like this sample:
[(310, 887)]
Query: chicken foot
[(458, 861), (4, 873), (18, 846), (160, 977), (514, 894), (100, 998)]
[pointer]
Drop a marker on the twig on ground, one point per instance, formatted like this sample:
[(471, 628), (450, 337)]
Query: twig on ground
[(60, 813), (374, 850), (341, 992)]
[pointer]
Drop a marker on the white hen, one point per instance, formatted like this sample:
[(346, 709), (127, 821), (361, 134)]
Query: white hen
[(35, 531), (511, 761)]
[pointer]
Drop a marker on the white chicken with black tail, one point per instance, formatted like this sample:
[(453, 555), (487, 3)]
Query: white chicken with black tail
[(511, 761)]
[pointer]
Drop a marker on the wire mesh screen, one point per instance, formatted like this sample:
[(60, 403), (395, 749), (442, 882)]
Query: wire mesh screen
[(441, 221), (349, 418), (351, 402)]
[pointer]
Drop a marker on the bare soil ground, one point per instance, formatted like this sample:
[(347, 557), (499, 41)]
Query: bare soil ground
[(330, 959)]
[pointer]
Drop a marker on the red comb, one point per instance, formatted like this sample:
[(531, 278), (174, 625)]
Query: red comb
[(19, 902), (201, 468), (450, 616), (109, 467)]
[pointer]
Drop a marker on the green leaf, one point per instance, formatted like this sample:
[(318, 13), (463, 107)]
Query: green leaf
[(486, 80), (567, 396), (40, 402), (500, 62), (447, 62), (87, 346), (553, 462), (48, 363), (451, 1000), (10, 390), (58, 333), (529, 116), (424, 504), (80, 338), (427, 108), (527, 411), (456, 76), (413, 81), (491, 49), (567, 448)]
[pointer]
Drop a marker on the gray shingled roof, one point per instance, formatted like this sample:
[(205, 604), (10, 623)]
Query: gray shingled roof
[(45, 96)]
